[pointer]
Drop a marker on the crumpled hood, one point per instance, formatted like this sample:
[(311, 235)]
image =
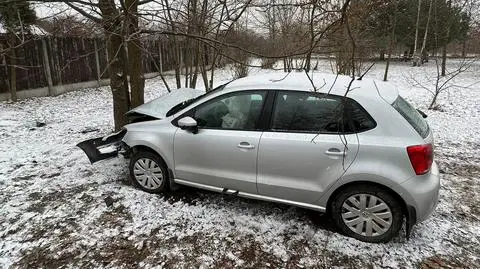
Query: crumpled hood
[(159, 107)]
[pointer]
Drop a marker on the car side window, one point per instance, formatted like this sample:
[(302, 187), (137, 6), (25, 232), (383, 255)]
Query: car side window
[(359, 118), (307, 112), (234, 111)]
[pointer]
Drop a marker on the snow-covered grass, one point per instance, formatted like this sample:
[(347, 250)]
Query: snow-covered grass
[(53, 211)]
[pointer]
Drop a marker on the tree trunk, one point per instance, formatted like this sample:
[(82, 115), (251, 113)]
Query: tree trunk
[(434, 100), (417, 24), (13, 68), (117, 56), (389, 56), (382, 55), (444, 60), (137, 80), (391, 45), (196, 62), (422, 51)]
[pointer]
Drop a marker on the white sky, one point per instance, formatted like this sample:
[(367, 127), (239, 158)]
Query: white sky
[(48, 10)]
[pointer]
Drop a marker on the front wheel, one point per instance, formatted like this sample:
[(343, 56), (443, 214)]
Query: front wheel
[(148, 172), (367, 213)]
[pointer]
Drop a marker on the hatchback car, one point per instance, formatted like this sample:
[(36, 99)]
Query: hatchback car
[(364, 156)]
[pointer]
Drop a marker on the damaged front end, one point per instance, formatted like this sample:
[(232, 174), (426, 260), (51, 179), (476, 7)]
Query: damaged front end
[(106, 147), (111, 145)]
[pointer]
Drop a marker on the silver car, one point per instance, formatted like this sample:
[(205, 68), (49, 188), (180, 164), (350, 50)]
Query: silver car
[(364, 156)]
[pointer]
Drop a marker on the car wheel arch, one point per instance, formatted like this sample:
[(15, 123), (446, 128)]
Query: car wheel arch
[(394, 193), (151, 150)]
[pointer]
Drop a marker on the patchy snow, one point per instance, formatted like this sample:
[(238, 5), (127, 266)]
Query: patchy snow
[(54, 205)]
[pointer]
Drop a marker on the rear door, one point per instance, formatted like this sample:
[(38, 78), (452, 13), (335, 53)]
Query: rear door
[(224, 151), (304, 150)]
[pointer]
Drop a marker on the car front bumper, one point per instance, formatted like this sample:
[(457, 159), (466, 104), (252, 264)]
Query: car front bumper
[(106, 147)]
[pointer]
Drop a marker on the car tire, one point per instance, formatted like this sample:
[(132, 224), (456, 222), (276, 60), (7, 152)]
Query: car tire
[(148, 172), (368, 213)]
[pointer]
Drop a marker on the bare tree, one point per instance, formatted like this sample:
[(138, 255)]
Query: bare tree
[(120, 25), (439, 84)]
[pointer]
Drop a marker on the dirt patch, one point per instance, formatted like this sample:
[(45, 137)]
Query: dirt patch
[(120, 253), (440, 262), (254, 257), (42, 257), (116, 217)]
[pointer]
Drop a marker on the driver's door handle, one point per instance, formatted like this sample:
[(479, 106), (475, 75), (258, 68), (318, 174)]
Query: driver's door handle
[(335, 152), (245, 145)]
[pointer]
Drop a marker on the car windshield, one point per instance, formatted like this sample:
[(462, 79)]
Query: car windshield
[(186, 103), (412, 116)]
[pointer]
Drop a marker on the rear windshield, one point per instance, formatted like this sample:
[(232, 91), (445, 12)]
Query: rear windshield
[(412, 116)]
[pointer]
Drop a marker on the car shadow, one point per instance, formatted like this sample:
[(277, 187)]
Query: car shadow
[(192, 196)]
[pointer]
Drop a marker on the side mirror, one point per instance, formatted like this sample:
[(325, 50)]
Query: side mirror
[(188, 123), (422, 113)]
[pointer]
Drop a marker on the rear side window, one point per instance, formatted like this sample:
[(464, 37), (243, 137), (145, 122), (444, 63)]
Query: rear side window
[(360, 120), (307, 112), (318, 113), (412, 116)]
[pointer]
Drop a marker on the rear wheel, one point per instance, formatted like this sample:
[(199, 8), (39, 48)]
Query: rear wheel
[(367, 213), (148, 172)]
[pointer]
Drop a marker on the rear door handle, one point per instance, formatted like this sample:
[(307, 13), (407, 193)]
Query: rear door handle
[(245, 145), (335, 152)]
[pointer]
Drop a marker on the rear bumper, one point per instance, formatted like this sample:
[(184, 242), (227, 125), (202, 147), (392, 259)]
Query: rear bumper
[(424, 191), (102, 148)]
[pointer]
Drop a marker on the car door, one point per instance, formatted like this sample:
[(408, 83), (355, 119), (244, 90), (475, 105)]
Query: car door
[(304, 151), (223, 153)]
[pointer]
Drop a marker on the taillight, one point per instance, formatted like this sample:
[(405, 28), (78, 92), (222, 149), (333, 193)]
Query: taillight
[(421, 157)]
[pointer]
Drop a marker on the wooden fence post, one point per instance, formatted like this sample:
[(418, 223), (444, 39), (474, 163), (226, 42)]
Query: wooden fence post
[(160, 60), (97, 60), (46, 67)]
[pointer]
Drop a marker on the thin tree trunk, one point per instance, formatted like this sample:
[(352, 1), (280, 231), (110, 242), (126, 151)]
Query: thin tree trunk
[(382, 55), (426, 30), (177, 63), (177, 56), (13, 68), (137, 80), (444, 48), (193, 81), (203, 68), (444, 60), (434, 100), (392, 43), (212, 72), (116, 65), (417, 24), (387, 65)]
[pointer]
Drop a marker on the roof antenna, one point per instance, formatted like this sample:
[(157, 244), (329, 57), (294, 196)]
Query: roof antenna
[(366, 71)]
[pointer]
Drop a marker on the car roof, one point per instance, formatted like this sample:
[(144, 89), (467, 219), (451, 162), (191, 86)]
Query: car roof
[(321, 82)]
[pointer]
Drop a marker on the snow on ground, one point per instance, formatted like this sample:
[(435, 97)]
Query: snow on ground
[(53, 211)]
